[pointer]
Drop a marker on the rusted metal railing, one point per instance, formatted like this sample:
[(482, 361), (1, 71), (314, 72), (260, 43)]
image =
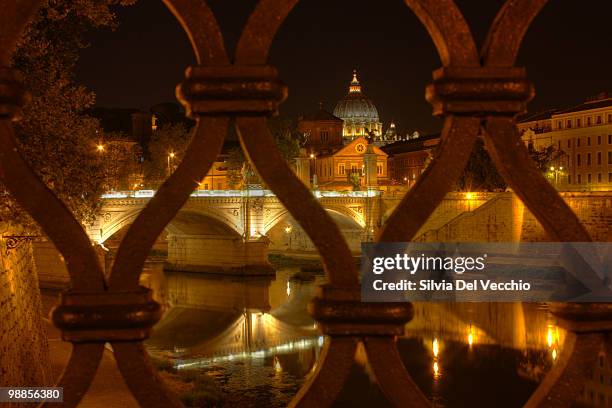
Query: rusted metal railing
[(478, 94)]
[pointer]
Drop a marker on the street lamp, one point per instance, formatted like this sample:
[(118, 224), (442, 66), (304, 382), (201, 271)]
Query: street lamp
[(170, 157), (100, 148), (555, 172), (313, 157)]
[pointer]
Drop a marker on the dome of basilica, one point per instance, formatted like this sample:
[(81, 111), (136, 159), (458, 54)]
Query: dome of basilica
[(359, 114)]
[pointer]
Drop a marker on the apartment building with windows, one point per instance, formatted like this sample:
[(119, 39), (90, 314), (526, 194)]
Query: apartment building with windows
[(580, 138)]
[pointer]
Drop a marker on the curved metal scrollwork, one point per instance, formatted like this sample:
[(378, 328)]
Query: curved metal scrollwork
[(478, 95)]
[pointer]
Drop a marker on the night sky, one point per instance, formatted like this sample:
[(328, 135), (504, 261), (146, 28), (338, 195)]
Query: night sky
[(567, 52)]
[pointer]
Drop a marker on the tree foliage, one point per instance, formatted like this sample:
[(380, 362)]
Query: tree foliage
[(166, 150), (55, 135), (480, 173), (287, 139)]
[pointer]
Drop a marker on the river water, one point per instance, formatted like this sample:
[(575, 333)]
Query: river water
[(254, 340)]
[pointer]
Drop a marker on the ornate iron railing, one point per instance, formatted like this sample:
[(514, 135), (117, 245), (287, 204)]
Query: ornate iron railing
[(478, 94)]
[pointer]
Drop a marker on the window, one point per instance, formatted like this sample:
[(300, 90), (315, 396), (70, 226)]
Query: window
[(578, 161), (379, 169), (569, 124), (559, 144), (578, 122), (599, 177), (599, 158), (577, 142), (588, 121), (599, 119), (588, 140), (341, 169), (569, 143), (610, 157), (588, 163), (609, 118), (579, 180), (324, 135), (559, 126), (206, 186), (569, 179), (609, 139), (589, 178), (353, 168), (609, 177)]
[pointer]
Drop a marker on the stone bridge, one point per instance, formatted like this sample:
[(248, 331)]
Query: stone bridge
[(230, 229)]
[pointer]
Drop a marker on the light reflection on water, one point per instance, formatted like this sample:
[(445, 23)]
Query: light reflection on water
[(255, 338)]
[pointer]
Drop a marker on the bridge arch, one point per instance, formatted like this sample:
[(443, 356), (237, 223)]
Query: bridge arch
[(115, 224), (285, 233), (340, 214), (192, 222), (198, 217)]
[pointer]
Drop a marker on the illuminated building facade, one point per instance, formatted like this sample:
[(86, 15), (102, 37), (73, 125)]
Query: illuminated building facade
[(409, 158), (580, 138), (322, 131), (334, 170)]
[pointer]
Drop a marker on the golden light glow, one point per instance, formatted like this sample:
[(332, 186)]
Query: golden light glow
[(288, 229), (470, 339), (100, 148), (554, 354), (549, 337), (171, 155), (435, 347), (277, 364), (470, 196), (312, 155), (288, 289), (436, 369), (552, 336)]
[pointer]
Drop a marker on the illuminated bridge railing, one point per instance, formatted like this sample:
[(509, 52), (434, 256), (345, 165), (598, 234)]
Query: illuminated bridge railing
[(242, 193), (478, 92)]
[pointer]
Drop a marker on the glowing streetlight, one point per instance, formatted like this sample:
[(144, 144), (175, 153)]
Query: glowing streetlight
[(100, 148), (436, 347), (555, 173), (313, 157), (171, 156)]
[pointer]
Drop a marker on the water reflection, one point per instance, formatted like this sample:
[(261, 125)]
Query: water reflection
[(255, 338)]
